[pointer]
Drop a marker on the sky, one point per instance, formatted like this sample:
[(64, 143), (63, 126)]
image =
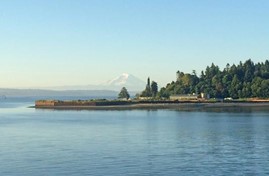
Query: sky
[(78, 42)]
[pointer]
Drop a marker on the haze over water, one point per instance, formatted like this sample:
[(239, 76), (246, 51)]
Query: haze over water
[(135, 142)]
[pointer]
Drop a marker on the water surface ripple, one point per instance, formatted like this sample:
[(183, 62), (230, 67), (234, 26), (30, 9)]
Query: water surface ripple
[(135, 142)]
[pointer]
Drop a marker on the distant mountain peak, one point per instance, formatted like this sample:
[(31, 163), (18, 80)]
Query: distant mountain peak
[(125, 80), (120, 80), (125, 75)]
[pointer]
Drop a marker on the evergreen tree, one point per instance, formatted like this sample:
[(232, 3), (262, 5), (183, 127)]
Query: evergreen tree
[(151, 90), (154, 88), (124, 94)]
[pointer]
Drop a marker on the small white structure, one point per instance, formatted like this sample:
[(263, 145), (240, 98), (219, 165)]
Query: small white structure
[(144, 98), (205, 96), (184, 97), (228, 98)]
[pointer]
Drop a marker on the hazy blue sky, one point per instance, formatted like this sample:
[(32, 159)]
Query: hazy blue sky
[(64, 42)]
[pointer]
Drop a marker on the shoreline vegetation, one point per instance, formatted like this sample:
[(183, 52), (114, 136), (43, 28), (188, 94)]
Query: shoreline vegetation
[(244, 80)]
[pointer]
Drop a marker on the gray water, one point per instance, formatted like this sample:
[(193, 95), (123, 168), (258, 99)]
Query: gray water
[(132, 142)]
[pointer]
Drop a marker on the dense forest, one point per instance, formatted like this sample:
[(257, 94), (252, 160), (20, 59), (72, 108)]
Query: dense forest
[(244, 80)]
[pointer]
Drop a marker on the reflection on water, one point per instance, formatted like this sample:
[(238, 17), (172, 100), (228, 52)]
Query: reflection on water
[(247, 109), (216, 141)]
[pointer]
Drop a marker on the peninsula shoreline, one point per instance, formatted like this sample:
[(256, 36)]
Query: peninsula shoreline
[(179, 105)]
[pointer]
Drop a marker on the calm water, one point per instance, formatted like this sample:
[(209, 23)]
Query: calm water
[(137, 142)]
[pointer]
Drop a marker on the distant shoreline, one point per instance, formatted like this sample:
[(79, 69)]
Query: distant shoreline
[(179, 105)]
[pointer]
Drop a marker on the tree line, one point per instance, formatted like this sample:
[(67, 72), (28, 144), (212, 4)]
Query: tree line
[(151, 90), (244, 80)]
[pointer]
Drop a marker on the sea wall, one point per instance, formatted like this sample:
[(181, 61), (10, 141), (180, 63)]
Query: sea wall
[(48, 103), (54, 103), (75, 103), (44, 103)]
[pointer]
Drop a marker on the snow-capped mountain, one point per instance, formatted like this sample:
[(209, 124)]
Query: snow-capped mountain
[(129, 81)]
